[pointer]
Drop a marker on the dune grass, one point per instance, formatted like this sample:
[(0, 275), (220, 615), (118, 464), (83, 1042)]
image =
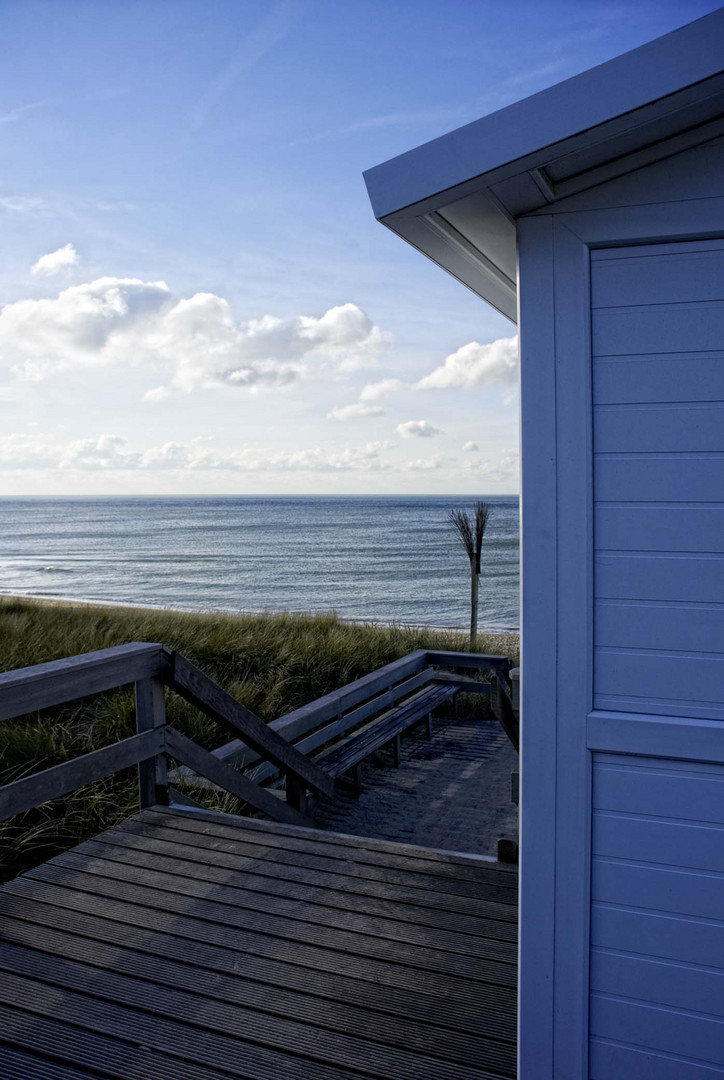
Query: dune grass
[(271, 663)]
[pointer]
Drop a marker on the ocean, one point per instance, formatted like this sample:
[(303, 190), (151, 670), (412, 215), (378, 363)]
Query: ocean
[(372, 559)]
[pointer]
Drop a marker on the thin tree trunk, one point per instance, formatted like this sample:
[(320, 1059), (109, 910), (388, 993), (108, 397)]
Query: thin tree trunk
[(474, 580)]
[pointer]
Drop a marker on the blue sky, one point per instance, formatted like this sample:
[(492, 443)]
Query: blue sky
[(219, 311)]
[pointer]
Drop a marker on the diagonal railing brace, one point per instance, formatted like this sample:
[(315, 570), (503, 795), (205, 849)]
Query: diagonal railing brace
[(192, 684)]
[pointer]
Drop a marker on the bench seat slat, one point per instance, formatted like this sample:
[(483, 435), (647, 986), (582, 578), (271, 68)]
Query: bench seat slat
[(358, 747), (341, 726)]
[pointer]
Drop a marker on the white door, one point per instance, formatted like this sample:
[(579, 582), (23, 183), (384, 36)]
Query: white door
[(657, 886), (622, 809)]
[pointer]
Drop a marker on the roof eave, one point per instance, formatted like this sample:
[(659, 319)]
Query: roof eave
[(531, 129), (636, 108)]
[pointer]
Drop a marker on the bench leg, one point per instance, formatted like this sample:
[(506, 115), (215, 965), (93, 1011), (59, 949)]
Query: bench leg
[(296, 794), (357, 778), (396, 751), (428, 724)]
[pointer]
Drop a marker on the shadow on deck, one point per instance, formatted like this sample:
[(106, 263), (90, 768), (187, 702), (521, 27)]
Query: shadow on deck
[(452, 791), (187, 944)]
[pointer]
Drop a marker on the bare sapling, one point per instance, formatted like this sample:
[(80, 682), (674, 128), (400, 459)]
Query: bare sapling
[(470, 529)]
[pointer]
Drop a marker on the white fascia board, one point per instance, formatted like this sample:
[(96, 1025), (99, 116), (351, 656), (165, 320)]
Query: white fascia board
[(645, 75)]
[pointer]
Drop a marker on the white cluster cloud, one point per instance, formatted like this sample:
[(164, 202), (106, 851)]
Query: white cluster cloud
[(417, 429), (99, 323), (158, 393), (472, 365), (375, 391), (471, 447), (111, 452), (55, 261), (429, 464), (357, 411), (192, 342)]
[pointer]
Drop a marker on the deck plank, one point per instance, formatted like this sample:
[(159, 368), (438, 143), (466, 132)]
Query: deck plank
[(213, 866), (335, 874), (292, 853), (408, 857), (233, 989), (210, 912), (122, 992), (337, 839), (197, 932), (63, 1043), (454, 1015), (152, 871), (22, 1065), (184, 944)]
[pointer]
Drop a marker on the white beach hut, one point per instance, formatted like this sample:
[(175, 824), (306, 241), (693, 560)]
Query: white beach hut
[(593, 215)]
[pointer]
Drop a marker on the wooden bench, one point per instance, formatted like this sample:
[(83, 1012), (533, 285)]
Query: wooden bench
[(336, 727), (348, 755)]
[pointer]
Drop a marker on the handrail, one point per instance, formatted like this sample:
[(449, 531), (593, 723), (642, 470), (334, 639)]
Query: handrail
[(481, 661), (151, 667), (332, 704), (28, 689)]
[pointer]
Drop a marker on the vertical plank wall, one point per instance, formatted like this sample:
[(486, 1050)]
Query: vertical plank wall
[(657, 919)]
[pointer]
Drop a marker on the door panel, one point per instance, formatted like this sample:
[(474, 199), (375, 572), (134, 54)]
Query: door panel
[(657, 829), (658, 441), (657, 913)]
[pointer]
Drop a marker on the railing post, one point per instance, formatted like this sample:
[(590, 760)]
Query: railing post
[(151, 713)]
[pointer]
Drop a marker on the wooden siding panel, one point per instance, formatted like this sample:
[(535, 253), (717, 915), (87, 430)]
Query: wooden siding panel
[(659, 427), (667, 842), (673, 890), (672, 530), (688, 791), (668, 626), (657, 934), (659, 1028), (690, 273), (657, 478), (665, 577), (653, 677), (660, 981), (658, 328), (659, 378), (610, 1059)]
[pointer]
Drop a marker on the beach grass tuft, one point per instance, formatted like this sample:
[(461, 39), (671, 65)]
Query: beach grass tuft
[(272, 663)]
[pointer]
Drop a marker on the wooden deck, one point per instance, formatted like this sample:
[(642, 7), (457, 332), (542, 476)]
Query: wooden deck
[(185, 945)]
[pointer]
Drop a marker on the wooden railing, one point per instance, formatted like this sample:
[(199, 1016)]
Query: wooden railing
[(152, 668), (341, 711), (280, 748)]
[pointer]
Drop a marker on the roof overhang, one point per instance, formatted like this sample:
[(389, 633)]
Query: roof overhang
[(457, 198)]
